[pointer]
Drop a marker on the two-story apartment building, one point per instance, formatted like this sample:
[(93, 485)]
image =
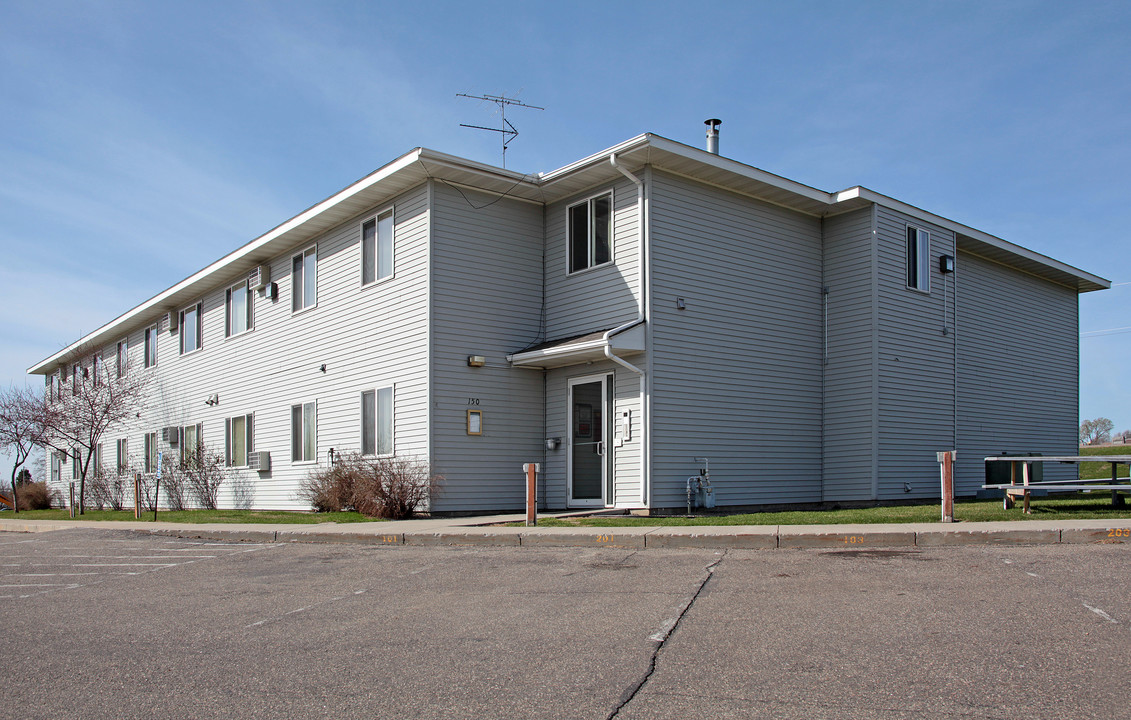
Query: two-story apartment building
[(614, 320)]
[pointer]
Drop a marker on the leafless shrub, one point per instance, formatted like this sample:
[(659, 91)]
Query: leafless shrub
[(173, 483), (205, 471), (392, 488), (243, 491), (37, 496)]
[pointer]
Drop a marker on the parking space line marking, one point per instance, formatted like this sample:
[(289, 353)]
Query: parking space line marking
[(277, 618), (1101, 613)]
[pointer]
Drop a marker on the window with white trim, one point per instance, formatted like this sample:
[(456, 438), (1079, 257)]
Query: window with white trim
[(76, 375), (123, 356), (97, 368), (190, 327), (304, 279), (76, 464), (377, 421), (151, 346), (192, 443), (918, 259), (151, 452), (377, 248), (57, 467), (123, 464), (304, 432), (239, 439), (237, 309), (590, 232)]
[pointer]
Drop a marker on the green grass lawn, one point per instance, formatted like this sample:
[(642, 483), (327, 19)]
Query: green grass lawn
[(1079, 506), (199, 516), (1102, 470)]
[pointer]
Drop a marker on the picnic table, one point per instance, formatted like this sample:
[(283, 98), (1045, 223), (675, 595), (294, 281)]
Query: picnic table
[(1014, 490)]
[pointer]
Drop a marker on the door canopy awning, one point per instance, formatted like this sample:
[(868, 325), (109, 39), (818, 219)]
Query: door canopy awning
[(580, 349)]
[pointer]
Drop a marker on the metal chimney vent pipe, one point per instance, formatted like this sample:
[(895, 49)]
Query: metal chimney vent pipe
[(713, 135)]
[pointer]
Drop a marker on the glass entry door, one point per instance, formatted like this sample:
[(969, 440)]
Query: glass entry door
[(588, 436)]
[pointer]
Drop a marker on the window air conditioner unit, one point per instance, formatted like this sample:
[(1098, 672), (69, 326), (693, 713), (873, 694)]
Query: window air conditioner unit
[(170, 321), (260, 461), (258, 278), (171, 434)]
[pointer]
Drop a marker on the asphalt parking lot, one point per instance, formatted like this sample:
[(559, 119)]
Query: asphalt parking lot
[(104, 624)]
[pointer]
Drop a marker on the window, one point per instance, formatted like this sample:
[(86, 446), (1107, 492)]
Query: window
[(304, 279), (190, 329), (52, 387), (57, 467), (151, 346), (123, 456), (76, 372), (590, 232), (76, 464), (238, 439), (97, 463), (151, 452), (192, 439), (377, 248), (237, 304), (96, 368), (918, 259), (304, 426), (123, 357), (377, 422)]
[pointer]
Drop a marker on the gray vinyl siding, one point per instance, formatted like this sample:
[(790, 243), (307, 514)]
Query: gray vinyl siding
[(367, 337), (737, 374), (915, 362), (849, 389), (599, 298), (626, 458), (486, 300), (1018, 355)]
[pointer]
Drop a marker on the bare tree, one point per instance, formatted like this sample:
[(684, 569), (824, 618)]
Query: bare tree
[(21, 428), (97, 398), (1094, 432)]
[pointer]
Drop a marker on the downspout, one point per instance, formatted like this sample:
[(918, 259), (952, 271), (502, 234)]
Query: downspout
[(641, 318)]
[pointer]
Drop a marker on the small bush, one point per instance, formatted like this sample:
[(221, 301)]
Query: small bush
[(391, 488), (172, 483), (205, 471), (37, 496)]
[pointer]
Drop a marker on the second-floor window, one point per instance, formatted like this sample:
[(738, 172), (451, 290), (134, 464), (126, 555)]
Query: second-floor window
[(190, 329), (151, 346), (591, 232), (123, 357), (918, 259), (237, 304), (377, 248), (304, 279)]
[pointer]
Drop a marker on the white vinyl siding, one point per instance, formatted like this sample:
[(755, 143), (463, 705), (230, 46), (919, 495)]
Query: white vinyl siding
[(304, 279)]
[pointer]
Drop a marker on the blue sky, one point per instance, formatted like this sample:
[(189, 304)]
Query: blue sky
[(140, 141)]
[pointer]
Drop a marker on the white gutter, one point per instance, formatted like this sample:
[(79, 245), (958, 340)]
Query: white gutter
[(643, 311)]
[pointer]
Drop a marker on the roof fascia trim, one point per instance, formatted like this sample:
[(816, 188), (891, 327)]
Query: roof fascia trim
[(240, 253), (979, 235)]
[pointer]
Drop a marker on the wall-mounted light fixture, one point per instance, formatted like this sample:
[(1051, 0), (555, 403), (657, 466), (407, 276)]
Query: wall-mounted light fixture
[(476, 361), (946, 263), (322, 367), (213, 399), (553, 443), (680, 304)]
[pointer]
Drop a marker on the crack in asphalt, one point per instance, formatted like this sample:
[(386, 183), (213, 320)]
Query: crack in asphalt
[(660, 639)]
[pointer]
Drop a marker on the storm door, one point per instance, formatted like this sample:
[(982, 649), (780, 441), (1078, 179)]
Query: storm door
[(588, 441)]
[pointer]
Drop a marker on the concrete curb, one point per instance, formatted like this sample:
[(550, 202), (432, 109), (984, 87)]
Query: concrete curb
[(749, 537)]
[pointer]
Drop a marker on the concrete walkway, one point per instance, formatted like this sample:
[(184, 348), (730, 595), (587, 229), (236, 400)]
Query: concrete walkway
[(487, 531)]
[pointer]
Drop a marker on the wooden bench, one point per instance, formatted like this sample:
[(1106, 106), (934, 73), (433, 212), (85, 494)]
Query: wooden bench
[(1014, 490)]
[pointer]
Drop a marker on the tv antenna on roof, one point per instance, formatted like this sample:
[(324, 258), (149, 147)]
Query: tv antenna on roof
[(506, 129)]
